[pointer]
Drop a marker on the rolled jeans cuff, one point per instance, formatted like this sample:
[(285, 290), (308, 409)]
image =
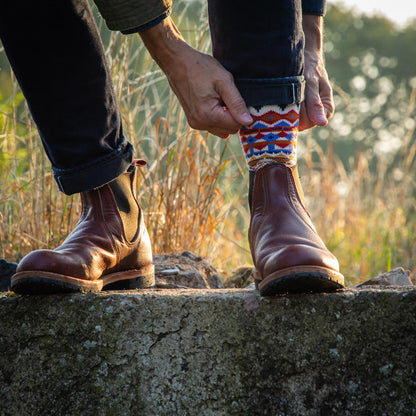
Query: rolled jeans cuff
[(89, 176), (269, 91)]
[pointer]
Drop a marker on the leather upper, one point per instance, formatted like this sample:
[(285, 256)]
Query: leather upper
[(281, 233), (98, 244)]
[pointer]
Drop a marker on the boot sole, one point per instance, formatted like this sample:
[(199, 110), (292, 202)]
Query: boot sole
[(39, 283), (300, 279)]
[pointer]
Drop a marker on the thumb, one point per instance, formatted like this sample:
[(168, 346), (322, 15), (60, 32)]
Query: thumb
[(234, 103)]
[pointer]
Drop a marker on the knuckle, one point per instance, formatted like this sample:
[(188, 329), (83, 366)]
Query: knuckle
[(215, 118), (225, 76), (199, 120), (194, 123), (224, 80)]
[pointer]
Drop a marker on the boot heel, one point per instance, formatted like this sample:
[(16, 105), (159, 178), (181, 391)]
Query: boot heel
[(145, 280), (142, 282)]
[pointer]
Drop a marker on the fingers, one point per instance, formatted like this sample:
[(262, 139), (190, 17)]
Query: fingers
[(304, 121), (221, 135), (220, 120), (318, 106), (213, 117), (223, 121), (208, 95), (314, 106), (234, 102), (327, 98)]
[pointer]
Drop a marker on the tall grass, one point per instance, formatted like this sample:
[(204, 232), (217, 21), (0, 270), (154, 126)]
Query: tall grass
[(194, 188), (184, 205), (364, 208)]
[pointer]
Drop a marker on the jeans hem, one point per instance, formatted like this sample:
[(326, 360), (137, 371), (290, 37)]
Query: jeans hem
[(95, 174), (269, 91)]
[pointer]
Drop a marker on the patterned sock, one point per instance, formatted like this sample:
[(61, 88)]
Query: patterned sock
[(272, 135)]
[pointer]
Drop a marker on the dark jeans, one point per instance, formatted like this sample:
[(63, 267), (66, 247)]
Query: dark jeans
[(261, 44), (56, 54)]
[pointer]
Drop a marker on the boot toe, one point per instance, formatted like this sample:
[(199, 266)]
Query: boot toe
[(48, 261), (299, 269), (299, 255), (39, 260)]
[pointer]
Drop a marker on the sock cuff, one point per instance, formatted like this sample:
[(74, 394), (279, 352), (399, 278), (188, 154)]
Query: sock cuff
[(271, 138)]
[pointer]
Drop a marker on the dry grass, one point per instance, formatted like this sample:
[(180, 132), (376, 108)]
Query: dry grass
[(365, 211), (194, 187), (184, 206)]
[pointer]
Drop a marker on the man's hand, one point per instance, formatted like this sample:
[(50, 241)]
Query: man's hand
[(204, 88), (318, 106)]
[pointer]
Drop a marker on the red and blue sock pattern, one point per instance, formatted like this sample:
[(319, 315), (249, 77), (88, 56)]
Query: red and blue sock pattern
[(272, 135)]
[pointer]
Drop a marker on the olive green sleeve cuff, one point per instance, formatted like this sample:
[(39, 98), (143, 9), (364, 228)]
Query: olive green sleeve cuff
[(124, 15)]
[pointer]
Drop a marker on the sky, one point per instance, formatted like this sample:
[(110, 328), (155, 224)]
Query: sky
[(397, 10)]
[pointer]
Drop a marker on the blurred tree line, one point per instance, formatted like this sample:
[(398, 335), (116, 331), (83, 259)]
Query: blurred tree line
[(371, 63), (350, 37)]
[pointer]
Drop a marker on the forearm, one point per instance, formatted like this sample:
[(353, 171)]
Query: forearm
[(165, 44), (318, 106), (204, 88), (313, 30)]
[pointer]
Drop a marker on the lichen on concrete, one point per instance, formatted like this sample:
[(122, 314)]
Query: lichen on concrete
[(217, 352)]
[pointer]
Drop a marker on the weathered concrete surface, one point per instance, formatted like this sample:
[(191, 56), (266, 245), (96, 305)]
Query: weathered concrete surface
[(219, 352)]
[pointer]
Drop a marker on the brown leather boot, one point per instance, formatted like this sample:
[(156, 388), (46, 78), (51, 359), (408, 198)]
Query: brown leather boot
[(109, 247), (288, 254)]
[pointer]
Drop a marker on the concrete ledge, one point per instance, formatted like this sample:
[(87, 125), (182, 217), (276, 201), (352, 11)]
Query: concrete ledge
[(216, 352)]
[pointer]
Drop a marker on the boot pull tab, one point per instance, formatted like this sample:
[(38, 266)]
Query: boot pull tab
[(139, 162)]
